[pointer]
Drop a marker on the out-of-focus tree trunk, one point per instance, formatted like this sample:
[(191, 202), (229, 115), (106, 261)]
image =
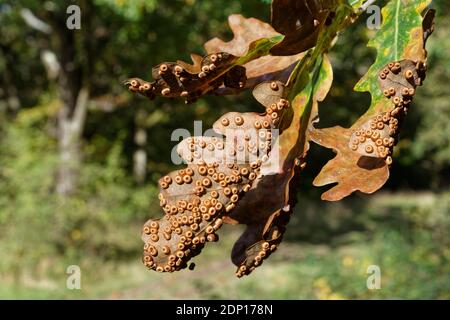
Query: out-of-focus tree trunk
[(76, 52), (73, 66), (140, 155), (70, 129), (71, 47)]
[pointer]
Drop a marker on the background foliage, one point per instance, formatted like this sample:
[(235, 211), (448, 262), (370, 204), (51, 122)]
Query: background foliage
[(403, 229)]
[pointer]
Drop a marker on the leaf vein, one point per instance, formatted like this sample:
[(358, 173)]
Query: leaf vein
[(397, 12)]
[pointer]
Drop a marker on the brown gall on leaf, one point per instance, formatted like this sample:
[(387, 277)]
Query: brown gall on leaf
[(197, 199), (300, 21), (190, 82), (246, 32)]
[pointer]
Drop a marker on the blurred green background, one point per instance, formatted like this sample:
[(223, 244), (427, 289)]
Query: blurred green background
[(114, 146)]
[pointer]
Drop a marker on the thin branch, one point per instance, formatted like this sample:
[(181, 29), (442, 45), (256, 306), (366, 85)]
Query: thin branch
[(34, 22)]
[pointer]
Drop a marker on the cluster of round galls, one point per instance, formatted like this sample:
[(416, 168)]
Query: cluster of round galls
[(249, 143), (210, 64), (379, 139), (265, 249), (192, 219), (143, 87), (399, 82), (172, 80), (378, 136), (196, 199), (258, 252), (251, 134), (274, 110)]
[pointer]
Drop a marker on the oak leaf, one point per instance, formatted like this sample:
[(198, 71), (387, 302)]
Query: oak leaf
[(364, 151)]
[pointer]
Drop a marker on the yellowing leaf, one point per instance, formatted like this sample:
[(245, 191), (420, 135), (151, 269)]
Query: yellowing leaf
[(364, 151)]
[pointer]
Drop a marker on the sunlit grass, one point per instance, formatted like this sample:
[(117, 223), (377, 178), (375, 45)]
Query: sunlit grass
[(298, 270)]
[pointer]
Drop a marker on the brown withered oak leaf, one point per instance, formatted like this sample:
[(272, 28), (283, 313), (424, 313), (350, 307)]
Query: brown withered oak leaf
[(220, 170), (300, 21), (428, 23), (267, 206), (364, 151), (348, 168), (190, 82), (245, 32)]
